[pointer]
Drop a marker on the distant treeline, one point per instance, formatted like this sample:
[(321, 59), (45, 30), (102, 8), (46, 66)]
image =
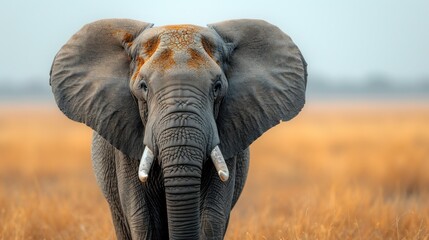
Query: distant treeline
[(317, 87), (371, 87), (37, 89)]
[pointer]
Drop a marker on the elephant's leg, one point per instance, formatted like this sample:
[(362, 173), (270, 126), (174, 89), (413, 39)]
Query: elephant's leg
[(103, 162), (242, 167), (155, 196), (132, 197), (217, 200)]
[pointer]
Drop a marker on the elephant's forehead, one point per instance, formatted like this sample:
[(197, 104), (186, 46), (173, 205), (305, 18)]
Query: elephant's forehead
[(179, 46), (180, 37)]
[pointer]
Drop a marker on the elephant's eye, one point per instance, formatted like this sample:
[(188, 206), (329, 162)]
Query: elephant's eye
[(216, 88), (143, 85)]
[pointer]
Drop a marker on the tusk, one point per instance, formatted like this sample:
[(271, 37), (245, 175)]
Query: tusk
[(219, 163), (145, 164)]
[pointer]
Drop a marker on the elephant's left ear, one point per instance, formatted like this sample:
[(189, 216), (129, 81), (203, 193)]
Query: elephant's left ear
[(267, 79), (90, 81)]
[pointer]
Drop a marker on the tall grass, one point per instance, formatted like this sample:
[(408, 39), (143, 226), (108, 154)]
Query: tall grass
[(334, 172)]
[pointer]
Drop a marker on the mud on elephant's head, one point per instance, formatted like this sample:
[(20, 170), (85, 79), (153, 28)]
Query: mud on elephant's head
[(178, 94)]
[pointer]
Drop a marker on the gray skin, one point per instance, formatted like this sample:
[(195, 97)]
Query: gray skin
[(181, 91)]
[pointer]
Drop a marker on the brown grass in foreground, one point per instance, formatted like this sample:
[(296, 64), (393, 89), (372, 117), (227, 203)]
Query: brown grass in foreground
[(349, 172)]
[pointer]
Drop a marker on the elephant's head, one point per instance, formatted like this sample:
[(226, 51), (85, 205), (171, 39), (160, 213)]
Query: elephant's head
[(180, 95)]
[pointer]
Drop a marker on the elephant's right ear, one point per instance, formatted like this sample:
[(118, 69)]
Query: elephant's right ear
[(90, 81)]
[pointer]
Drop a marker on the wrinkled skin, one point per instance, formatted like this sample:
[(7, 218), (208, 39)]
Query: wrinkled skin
[(147, 202), (179, 91)]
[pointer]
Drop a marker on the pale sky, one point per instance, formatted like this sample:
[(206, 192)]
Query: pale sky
[(350, 39)]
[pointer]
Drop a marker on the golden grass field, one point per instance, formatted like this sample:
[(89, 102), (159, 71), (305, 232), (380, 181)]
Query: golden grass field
[(337, 171)]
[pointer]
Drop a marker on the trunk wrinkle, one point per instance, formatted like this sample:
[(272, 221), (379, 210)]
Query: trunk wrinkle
[(182, 167)]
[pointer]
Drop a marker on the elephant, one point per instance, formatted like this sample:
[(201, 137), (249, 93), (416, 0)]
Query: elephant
[(173, 111)]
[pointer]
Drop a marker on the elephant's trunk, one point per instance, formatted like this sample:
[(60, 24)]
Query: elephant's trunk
[(182, 135), (182, 150), (182, 180)]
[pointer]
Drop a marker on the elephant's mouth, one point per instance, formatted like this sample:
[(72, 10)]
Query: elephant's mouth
[(215, 155)]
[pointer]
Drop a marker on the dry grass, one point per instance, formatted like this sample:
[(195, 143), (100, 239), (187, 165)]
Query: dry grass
[(334, 172)]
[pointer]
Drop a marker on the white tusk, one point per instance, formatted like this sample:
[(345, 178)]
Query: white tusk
[(219, 163), (145, 164)]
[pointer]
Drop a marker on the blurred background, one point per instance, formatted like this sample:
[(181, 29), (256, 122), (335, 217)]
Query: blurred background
[(352, 165), (354, 49)]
